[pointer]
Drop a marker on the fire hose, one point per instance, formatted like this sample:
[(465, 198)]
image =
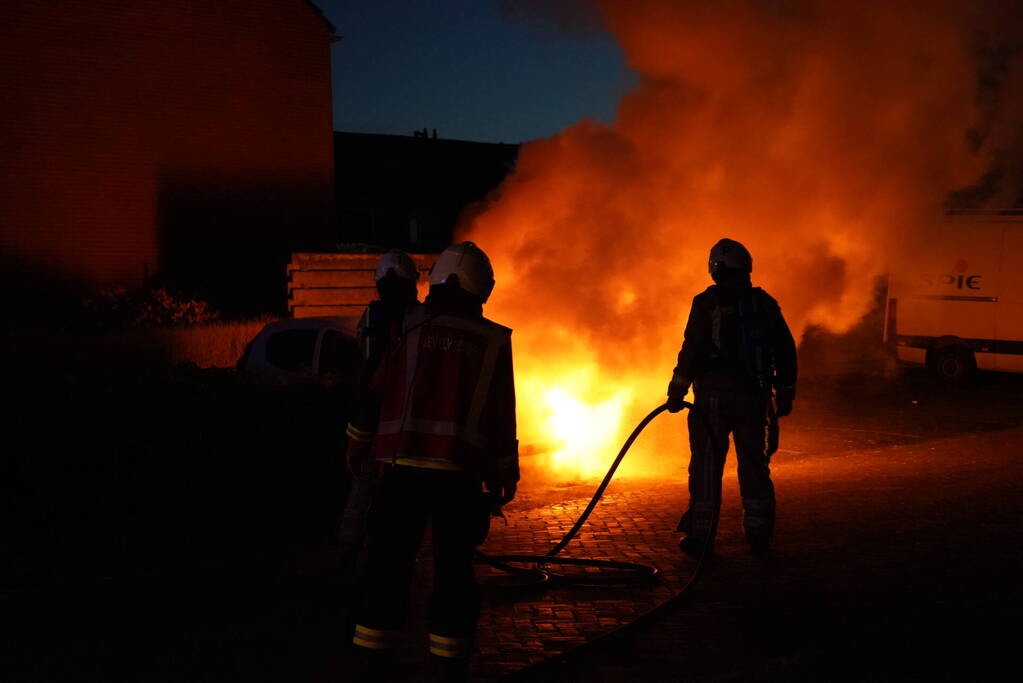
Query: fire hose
[(627, 572), (621, 572)]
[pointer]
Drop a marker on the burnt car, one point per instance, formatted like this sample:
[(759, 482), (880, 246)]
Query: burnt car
[(303, 350)]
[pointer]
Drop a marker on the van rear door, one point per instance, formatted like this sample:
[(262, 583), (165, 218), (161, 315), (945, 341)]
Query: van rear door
[(1009, 317), (948, 286)]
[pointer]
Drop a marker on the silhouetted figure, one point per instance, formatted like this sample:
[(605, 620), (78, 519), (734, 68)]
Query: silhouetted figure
[(396, 276), (740, 358), (441, 421)]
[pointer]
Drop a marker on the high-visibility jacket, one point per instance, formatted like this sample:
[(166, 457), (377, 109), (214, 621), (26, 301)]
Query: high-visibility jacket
[(443, 396)]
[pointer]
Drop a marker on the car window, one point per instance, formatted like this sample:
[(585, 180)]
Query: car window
[(292, 349), (338, 353)]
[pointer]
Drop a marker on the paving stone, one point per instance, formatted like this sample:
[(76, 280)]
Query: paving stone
[(564, 616)]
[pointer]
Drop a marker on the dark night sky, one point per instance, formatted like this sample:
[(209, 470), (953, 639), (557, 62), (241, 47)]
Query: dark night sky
[(467, 69)]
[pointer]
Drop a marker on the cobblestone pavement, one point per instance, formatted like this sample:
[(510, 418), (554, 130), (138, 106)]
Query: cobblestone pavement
[(896, 564), (633, 523), (899, 532)]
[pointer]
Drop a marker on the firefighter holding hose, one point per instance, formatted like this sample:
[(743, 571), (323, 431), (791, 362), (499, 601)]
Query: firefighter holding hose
[(440, 420), (740, 358)]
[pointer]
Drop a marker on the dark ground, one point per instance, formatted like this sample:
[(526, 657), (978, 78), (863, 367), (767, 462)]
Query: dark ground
[(899, 547), (893, 563)]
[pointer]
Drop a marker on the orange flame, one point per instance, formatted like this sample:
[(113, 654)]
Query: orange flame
[(574, 428), (818, 132)]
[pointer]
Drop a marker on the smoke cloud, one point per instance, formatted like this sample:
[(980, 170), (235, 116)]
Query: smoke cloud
[(820, 133)]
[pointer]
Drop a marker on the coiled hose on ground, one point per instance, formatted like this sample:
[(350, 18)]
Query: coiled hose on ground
[(620, 572)]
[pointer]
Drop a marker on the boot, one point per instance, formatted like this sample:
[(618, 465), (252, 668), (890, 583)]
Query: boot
[(759, 544), (692, 545), (450, 669), (373, 666)]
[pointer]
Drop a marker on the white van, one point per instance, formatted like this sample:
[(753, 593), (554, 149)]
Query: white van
[(955, 303)]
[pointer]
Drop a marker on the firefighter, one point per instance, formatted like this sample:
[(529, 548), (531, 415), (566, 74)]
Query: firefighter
[(396, 276), (442, 423), (740, 358)]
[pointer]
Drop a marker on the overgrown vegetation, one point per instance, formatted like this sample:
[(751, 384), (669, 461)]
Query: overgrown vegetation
[(120, 308)]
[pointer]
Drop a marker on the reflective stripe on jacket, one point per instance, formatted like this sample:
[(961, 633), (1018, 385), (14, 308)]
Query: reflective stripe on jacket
[(446, 395)]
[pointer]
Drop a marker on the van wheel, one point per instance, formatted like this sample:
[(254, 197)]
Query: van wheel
[(953, 364)]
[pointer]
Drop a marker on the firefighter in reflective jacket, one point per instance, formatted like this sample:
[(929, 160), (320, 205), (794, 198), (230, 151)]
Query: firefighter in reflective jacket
[(740, 358), (396, 276), (442, 421)]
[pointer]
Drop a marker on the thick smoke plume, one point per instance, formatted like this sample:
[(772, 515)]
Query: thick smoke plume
[(820, 133)]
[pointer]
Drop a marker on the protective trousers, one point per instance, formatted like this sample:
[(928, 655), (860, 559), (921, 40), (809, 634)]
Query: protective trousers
[(749, 418), (407, 499)]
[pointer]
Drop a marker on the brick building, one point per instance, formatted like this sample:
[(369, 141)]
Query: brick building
[(179, 141)]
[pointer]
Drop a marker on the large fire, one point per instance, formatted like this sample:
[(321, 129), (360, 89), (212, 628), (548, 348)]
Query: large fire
[(818, 132), (561, 412)]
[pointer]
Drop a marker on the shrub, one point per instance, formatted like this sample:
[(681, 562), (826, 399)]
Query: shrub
[(119, 309), (160, 309)]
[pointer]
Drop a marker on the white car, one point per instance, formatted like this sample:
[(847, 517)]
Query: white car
[(302, 349)]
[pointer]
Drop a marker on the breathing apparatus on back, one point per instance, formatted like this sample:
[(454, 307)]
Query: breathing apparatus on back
[(730, 266)]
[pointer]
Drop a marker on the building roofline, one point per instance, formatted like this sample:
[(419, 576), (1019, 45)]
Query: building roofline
[(398, 136), (323, 17)]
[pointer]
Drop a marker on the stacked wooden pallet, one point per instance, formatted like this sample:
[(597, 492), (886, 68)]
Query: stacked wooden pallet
[(337, 284)]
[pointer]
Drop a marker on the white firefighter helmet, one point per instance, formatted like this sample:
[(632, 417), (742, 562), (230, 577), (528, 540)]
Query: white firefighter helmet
[(399, 263), (470, 264), (729, 254)]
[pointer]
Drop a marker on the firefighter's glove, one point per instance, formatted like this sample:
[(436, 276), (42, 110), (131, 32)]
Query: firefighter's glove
[(676, 404), (504, 492), (783, 397), (677, 390)]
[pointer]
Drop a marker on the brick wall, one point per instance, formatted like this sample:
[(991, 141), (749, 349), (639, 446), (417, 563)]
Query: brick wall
[(188, 138)]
